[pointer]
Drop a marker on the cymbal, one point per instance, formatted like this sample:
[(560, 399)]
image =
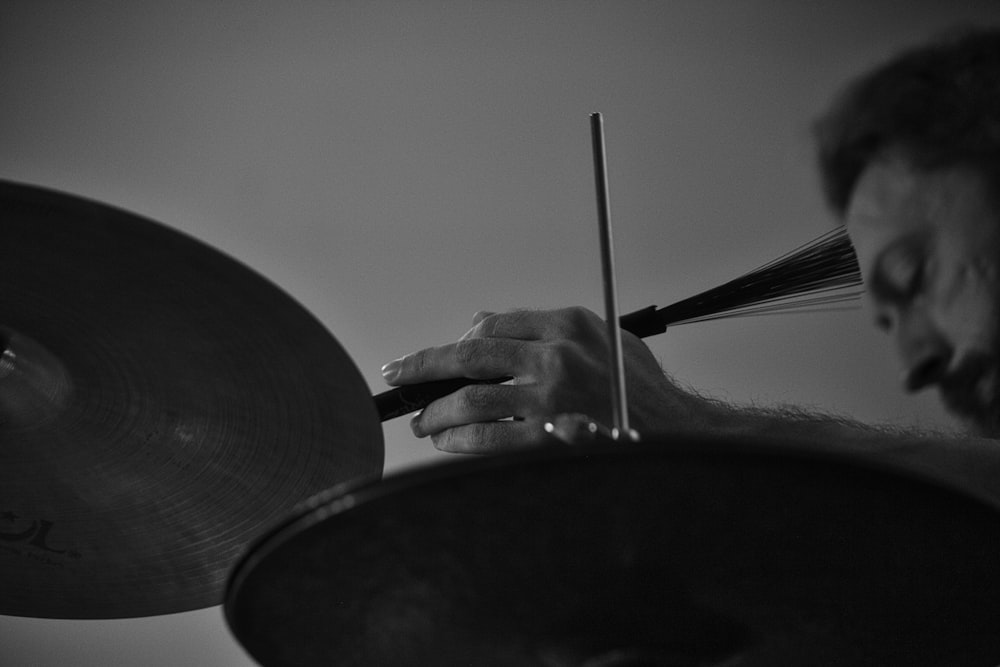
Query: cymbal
[(160, 403), (675, 552)]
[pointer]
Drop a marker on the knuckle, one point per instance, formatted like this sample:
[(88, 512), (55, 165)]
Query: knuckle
[(519, 317), (415, 363), (567, 372), (443, 441), (536, 434), (471, 438), (468, 351), (576, 321), (489, 324), (557, 357), (549, 403), (476, 398), (517, 352), (510, 324), (484, 438)]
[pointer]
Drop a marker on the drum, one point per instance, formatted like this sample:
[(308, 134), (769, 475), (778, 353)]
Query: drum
[(677, 551)]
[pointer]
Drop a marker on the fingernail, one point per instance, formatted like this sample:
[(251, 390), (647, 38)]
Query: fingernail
[(415, 424), (391, 370)]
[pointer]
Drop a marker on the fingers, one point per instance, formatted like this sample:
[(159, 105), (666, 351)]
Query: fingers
[(472, 404), (534, 324), (477, 420), (477, 358), (491, 348), (476, 319), (555, 357), (490, 438)]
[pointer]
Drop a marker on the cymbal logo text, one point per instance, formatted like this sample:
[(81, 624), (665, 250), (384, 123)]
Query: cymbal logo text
[(36, 535)]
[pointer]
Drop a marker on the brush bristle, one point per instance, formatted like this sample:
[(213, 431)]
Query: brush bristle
[(820, 275)]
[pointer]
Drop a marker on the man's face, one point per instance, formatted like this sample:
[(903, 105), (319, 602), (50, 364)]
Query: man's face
[(929, 248)]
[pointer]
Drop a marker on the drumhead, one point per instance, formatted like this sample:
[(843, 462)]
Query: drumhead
[(674, 551)]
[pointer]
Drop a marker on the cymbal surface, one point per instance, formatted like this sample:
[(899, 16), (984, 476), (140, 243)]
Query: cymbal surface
[(160, 404), (678, 553)]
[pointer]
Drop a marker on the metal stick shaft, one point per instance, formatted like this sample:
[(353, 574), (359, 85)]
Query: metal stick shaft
[(619, 402)]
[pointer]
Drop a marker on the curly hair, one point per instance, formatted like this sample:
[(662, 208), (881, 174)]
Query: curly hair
[(936, 106)]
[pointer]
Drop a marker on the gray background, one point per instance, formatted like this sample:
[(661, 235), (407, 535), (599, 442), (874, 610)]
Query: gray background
[(396, 166)]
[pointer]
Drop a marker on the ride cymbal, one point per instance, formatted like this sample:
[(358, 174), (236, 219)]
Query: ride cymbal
[(672, 553), (159, 404)]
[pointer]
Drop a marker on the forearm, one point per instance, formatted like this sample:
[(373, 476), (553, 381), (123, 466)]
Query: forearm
[(969, 463)]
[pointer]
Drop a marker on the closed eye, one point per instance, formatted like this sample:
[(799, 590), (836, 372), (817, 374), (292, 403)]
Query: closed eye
[(903, 271), (899, 275)]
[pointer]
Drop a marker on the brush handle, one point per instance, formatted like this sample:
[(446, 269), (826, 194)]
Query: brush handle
[(643, 323), (410, 398)]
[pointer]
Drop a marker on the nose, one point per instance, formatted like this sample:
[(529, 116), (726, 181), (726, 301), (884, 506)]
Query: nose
[(925, 351)]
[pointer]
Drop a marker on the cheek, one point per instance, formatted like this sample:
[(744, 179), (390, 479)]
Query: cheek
[(967, 308)]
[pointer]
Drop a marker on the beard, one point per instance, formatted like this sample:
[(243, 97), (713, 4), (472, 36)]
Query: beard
[(980, 418), (972, 394), (984, 427)]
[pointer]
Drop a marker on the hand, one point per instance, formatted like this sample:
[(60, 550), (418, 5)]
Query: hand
[(558, 360)]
